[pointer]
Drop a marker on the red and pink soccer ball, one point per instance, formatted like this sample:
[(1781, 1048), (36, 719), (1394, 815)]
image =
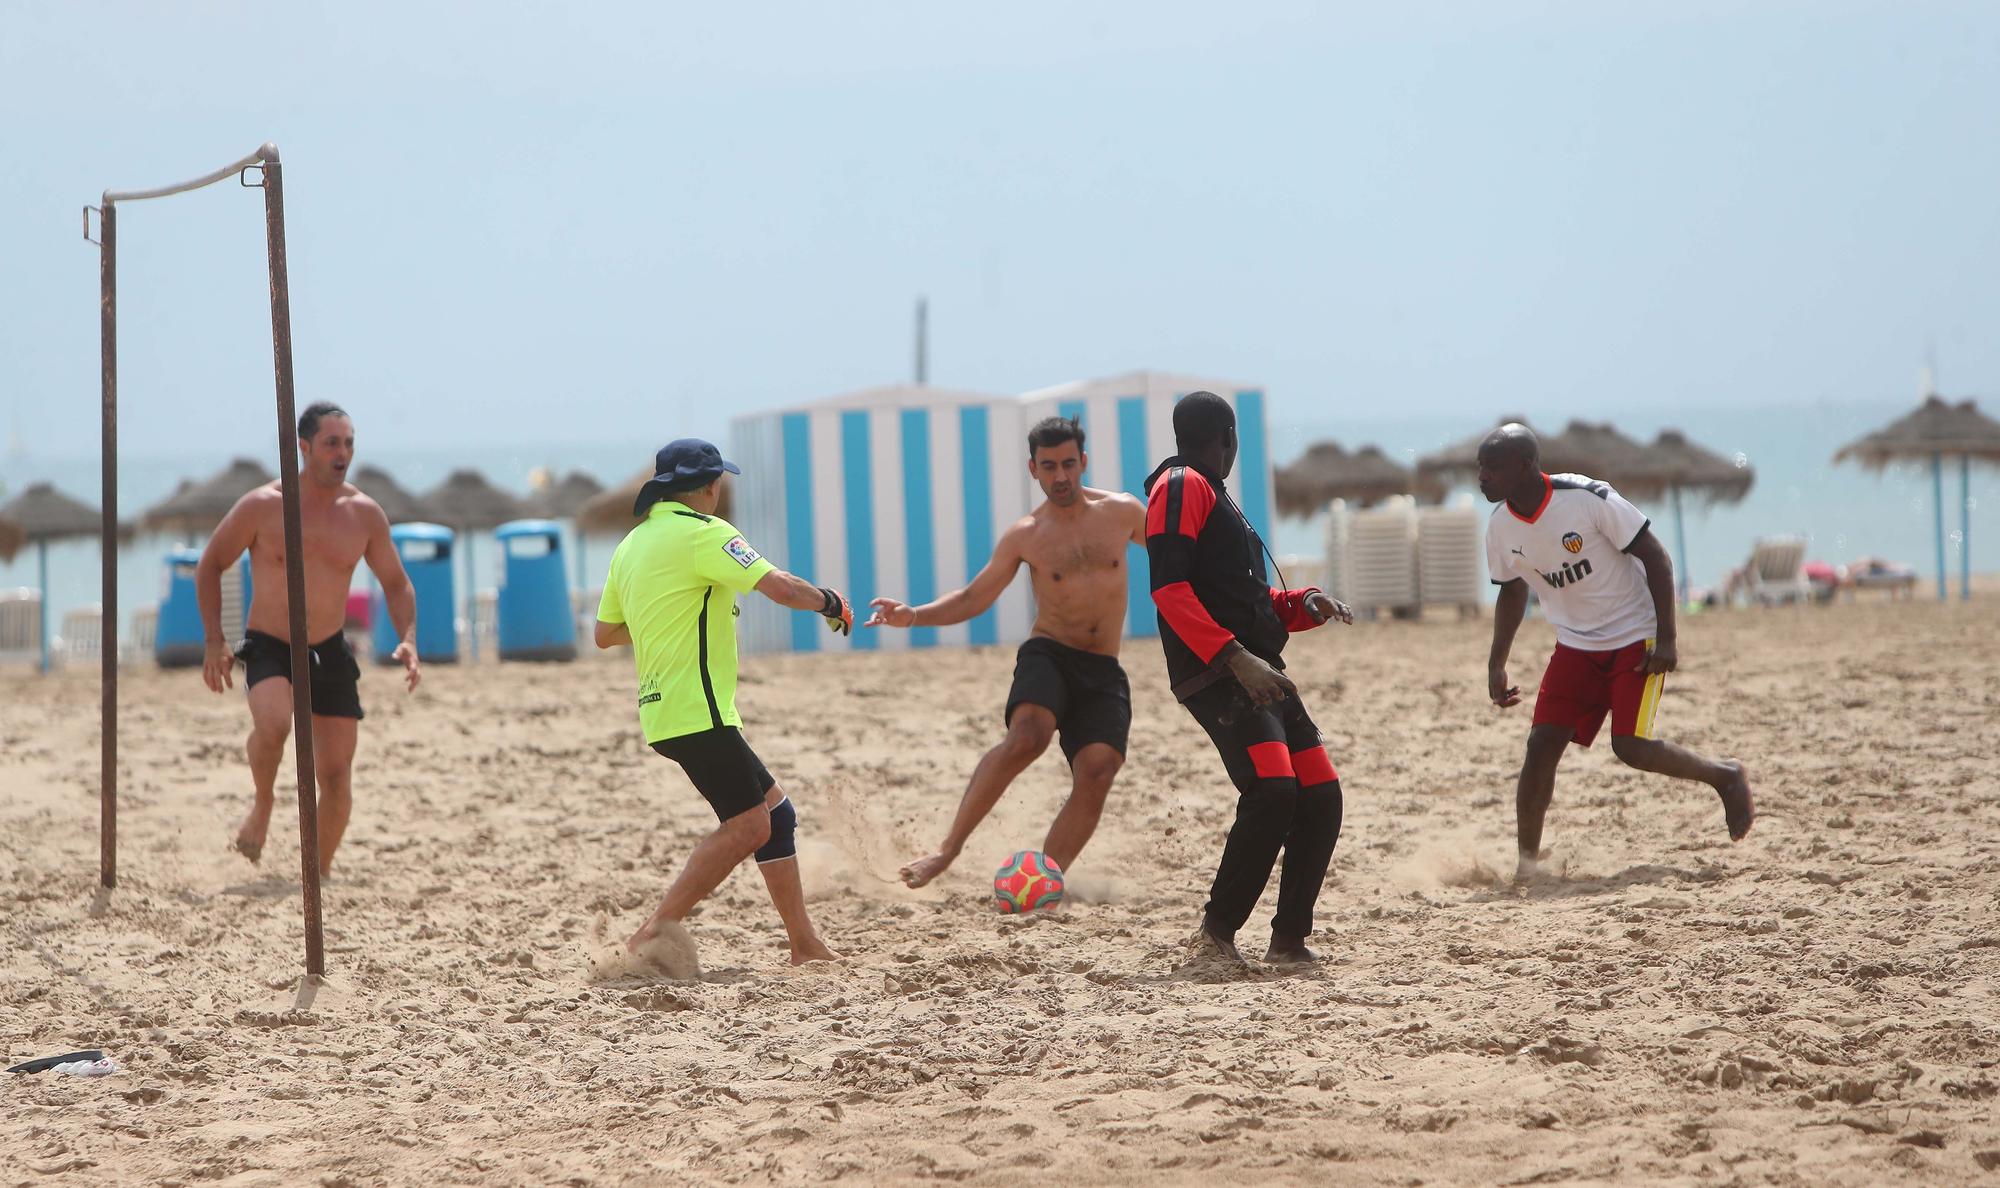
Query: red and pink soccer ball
[(1028, 880)]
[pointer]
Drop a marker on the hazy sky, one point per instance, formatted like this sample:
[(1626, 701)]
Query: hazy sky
[(513, 223)]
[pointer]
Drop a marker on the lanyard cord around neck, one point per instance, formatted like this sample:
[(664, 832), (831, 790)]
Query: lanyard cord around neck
[(1275, 567)]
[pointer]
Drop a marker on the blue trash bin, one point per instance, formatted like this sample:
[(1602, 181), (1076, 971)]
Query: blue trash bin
[(426, 553), (536, 622), (178, 638)]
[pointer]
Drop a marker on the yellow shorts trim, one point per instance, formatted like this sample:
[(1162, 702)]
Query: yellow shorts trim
[(1649, 701)]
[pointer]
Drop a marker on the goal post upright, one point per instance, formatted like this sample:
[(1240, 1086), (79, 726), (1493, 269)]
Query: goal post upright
[(265, 164)]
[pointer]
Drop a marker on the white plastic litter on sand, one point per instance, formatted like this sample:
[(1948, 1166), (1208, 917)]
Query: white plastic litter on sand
[(88, 1068)]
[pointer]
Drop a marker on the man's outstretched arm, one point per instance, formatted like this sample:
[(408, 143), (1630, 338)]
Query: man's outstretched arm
[(795, 592), (963, 603)]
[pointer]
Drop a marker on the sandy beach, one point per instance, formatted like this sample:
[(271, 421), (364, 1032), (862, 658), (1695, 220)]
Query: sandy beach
[(1816, 1005)]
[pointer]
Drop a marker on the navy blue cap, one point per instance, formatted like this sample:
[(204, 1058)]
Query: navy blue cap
[(684, 464)]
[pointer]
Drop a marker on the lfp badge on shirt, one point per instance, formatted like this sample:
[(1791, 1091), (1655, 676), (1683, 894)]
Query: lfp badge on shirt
[(740, 550)]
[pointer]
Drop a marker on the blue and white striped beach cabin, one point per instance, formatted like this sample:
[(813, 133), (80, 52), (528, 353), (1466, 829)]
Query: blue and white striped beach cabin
[(902, 491)]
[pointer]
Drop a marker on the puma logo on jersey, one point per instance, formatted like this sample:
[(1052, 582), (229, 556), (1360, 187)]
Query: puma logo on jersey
[(1569, 574)]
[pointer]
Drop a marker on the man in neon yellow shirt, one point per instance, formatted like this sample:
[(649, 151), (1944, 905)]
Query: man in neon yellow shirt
[(671, 594)]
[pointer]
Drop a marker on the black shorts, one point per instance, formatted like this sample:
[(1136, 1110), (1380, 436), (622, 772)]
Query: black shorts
[(1088, 694), (336, 674), (722, 768)]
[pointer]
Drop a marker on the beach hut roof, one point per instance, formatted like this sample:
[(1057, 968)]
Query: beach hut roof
[(467, 502), (1674, 461), (880, 396), (1326, 472), (1937, 426), (396, 501), (1142, 383), (199, 507), (561, 499), (44, 513)]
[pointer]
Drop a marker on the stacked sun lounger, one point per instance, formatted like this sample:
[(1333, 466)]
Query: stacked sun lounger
[(1381, 557), (1451, 566), (1335, 564)]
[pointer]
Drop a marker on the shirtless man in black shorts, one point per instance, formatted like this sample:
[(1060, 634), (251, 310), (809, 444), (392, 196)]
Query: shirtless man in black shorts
[(1067, 680), (341, 527)]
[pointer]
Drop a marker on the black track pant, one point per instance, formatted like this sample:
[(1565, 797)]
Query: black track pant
[(1288, 798)]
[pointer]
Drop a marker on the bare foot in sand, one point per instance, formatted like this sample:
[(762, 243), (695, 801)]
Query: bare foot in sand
[(923, 870), (1289, 950), (814, 951), (1737, 806), (250, 835)]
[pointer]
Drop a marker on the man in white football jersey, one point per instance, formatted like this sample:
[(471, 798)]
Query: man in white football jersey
[(1607, 586)]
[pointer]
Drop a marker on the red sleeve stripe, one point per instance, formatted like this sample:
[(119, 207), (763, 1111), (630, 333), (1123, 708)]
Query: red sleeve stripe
[(1271, 761), (1313, 767), (1197, 499), (1291, 608), (1191, 621), (1156, 506), (1179, 503)]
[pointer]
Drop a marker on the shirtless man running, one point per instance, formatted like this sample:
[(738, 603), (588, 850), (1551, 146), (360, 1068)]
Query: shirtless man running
[(1066, 676), (340, 527)]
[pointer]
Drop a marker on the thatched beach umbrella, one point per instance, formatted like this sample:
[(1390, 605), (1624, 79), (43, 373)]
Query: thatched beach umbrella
[(1936, 430), (1459, 462), (1326, 472), (1605, 454), (11, 538), (44, 514), (196, 508), (559, 500), (397, 503), (467, 503), (1675, 464), (611, 512)]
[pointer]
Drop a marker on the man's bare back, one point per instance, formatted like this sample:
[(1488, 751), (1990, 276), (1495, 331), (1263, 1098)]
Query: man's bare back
[(1077, 558)]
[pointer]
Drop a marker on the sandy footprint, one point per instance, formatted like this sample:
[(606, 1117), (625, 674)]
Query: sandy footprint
[(669, 954)]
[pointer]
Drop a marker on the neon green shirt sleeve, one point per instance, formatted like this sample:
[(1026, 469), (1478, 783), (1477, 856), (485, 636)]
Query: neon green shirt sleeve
[(609, 608), (723, 557)]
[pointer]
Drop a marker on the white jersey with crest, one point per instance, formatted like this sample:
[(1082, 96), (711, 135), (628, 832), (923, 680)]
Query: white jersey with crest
[(1571, 553)]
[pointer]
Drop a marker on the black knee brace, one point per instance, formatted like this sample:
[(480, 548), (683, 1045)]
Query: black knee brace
[(784, 841)]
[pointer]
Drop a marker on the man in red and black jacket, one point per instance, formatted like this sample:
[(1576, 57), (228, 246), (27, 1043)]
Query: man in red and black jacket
[(1224, 627)]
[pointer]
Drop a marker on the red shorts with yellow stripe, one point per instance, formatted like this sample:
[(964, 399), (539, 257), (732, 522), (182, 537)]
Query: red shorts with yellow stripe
[(1581, 687)]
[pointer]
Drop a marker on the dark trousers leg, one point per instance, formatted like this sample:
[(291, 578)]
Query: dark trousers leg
[(1315, 825), (1264, 803), (1263, 819), (1308, 853)]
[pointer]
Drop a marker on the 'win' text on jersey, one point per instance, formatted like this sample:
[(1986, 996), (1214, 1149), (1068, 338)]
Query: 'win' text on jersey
[(1571, 553)]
